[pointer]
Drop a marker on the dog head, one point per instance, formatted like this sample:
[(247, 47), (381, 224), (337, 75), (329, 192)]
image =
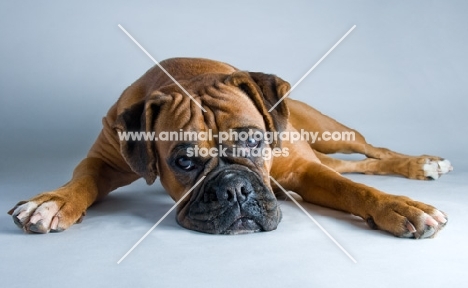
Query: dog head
[(235, 196)]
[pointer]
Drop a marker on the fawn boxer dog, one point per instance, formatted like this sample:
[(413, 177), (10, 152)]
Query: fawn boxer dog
[(237, 194)]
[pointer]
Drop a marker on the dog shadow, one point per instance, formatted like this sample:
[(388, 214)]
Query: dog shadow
[(147, 205), (346, 220), (150, 205)]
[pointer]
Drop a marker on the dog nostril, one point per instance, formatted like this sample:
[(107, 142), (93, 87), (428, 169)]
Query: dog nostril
[(244, 191), (230, 194), (235, 190)]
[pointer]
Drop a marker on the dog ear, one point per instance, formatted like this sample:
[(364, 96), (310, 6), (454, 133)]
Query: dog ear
[(266, 91), (141, 154)]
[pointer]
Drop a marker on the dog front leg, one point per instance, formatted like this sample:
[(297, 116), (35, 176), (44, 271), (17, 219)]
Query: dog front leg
[(57, 210), (399, 215)]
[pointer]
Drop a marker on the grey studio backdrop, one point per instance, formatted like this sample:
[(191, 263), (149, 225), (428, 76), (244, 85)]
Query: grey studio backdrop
[(399, 78)]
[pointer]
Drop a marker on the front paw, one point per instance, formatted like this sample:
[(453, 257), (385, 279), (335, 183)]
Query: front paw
[(406, 218), (47, 212), (428, 167)]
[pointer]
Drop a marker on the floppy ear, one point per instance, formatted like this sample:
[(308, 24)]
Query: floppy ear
[(265, 90), (140, 154)]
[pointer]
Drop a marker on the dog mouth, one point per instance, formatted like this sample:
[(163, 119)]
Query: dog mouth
[(231, 201), (243, 225)]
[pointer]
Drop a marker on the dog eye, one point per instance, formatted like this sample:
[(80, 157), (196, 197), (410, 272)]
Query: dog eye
[(185, 163), (252, 143)]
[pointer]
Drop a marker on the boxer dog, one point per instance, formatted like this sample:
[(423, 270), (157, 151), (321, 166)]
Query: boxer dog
[(237, 194)]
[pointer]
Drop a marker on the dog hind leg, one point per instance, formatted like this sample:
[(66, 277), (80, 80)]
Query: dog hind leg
[(379, 160)]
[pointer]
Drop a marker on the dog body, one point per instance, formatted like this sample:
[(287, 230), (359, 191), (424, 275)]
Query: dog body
[(237, 194)]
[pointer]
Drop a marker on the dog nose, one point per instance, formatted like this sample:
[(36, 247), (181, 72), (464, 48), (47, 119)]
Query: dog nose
[(236, 191), (233, 188)]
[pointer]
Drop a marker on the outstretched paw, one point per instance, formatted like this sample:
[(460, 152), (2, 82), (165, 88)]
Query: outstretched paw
[(45, 213), (427, 167), (406, 218), (433, 169)]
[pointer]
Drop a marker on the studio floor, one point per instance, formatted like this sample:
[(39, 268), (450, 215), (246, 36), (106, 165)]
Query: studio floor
[(297, 254)]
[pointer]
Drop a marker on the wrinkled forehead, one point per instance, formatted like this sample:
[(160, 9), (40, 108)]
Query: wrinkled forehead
[(227, 107)]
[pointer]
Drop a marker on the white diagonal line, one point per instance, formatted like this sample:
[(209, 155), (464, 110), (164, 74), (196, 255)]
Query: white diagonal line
[(313, 220), (160, 220), (162, 68), (313, 67)]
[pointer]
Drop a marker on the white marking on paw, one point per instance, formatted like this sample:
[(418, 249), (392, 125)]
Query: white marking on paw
[(410, 228), (23, 211), (440, 217), (431, 169), (428, 220), (428, 232), (434, 169), (445, 166), (54, 224), (44, 213), (433, 223)]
